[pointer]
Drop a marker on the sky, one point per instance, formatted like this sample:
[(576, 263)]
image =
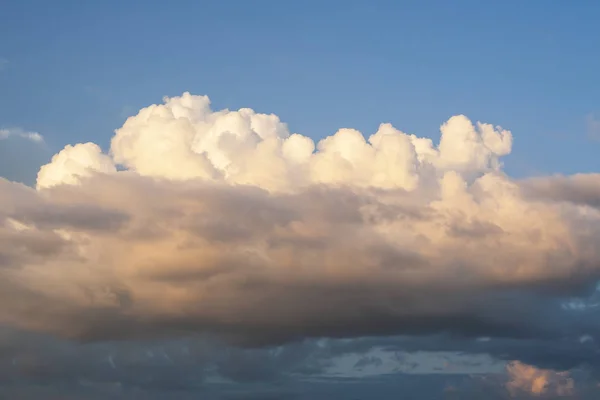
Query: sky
[(304, 200)]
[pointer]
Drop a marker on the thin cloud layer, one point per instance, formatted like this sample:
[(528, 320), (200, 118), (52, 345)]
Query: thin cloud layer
[(225, 223), (17, 132)]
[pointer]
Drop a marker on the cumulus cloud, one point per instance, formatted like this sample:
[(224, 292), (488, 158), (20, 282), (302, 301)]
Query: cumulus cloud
[(184, 139), (227, 223), (73, 163)]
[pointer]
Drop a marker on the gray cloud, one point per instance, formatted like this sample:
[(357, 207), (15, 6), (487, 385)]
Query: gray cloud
[(183, 370), (273, 267), (581, 189)]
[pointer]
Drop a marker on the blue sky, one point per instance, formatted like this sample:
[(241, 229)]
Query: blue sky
[(73, 71)]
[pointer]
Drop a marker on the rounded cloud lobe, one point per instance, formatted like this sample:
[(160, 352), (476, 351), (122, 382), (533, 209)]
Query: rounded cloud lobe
[(226, 223), (74, 163)]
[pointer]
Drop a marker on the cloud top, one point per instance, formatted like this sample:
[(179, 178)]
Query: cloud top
[(184, 139)]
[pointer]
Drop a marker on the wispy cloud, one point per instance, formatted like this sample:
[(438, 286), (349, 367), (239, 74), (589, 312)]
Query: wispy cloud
[(3, 63), (19, 132)]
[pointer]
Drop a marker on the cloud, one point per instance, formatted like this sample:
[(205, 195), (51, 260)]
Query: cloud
[(225, 223), (39, 365), (3, 63), (184, 139), (73, 163), (18, 132), (580, 189), (530, 379), (36, 366), (190, 365)]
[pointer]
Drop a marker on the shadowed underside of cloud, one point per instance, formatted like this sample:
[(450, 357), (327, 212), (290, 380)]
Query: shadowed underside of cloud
[(224, 223), (120, 255)]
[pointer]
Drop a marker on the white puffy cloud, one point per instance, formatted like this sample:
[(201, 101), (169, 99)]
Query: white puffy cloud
[(184, 139), (73, 163), (225, 222)]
